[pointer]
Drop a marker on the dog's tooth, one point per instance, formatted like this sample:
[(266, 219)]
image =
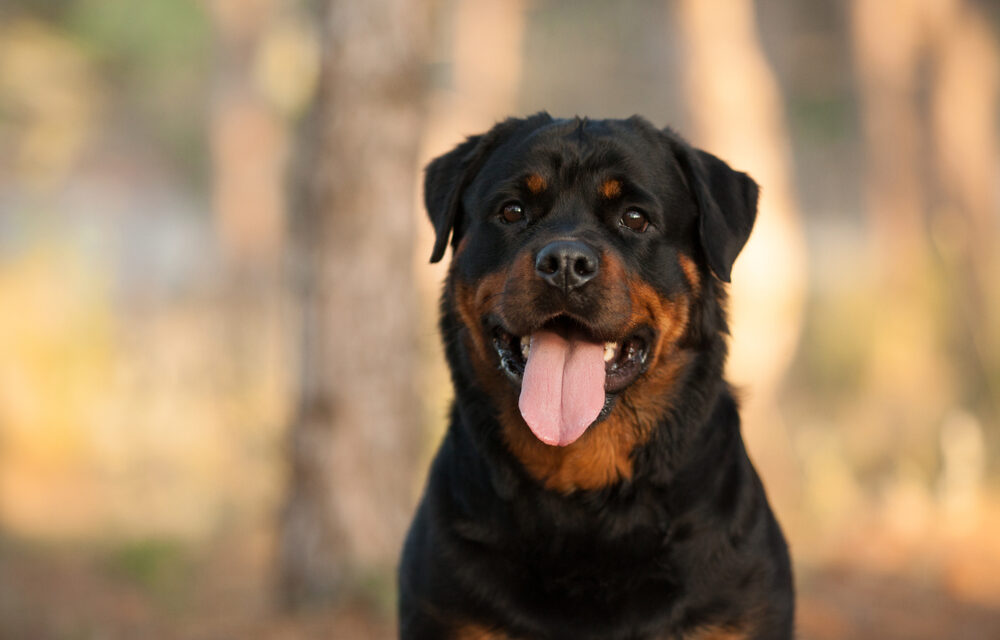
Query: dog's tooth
[(609, 351), (525, 346)]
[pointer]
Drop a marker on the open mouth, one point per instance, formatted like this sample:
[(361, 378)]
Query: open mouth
[(568, 376), (623, 360)]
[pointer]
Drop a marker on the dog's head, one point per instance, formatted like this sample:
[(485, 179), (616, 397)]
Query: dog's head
[(584, 280)]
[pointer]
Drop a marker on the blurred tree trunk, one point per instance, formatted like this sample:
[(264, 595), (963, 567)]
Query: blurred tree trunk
[(906, 359), (353, 439), (247, 139), (735, 104), (964, 107), (886, 38), (931, 202)]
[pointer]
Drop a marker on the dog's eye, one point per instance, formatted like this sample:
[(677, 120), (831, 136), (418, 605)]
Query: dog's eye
[(511, 213), (635, 220)]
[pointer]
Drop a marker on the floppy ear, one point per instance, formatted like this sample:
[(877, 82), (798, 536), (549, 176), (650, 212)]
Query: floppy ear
[(448, 176), (444, 181), (727, 206)]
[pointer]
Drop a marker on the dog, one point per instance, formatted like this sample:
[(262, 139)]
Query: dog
[(593, 482)]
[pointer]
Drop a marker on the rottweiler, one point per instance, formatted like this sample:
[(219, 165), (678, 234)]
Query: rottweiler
[(593, 482)]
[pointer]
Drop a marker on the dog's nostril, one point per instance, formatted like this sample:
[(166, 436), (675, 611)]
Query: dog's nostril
[(548, 263), (584, 266)]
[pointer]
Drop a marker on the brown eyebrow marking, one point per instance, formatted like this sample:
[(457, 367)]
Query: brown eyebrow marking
[(611, 188), (536, 183)]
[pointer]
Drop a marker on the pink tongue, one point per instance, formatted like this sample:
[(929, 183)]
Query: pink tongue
[(563, 388)]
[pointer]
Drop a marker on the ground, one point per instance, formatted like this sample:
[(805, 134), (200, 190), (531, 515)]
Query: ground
[(159, 590)]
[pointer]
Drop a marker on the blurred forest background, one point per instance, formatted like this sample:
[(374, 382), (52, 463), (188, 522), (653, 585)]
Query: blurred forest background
[(220, 379)]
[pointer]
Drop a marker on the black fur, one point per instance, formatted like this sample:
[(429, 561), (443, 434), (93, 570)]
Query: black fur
[(685, 545)]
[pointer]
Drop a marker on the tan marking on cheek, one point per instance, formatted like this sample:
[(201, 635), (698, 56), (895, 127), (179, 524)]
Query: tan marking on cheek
[(690, 272), (668, 317), (472, 304), (612, 271), (520, 290), (535, 183), (616, 304), (611, 188), (649, 398), (522, 271)]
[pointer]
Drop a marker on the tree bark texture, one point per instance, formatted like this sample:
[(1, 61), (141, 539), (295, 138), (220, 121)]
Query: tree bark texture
[(354, 438)]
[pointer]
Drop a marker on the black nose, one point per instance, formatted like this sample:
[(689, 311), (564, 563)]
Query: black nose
[(566, 264)]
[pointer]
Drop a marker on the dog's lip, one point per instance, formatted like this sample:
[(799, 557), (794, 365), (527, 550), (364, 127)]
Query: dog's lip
[(626, 353)]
